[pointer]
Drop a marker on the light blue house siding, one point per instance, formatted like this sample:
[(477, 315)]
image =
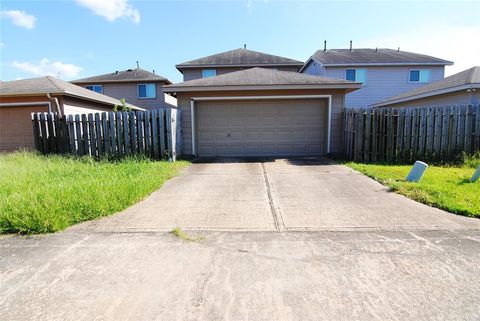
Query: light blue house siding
[(382, 82)]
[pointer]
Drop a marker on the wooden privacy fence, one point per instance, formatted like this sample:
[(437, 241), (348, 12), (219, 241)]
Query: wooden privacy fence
[(409, 134), (151, 133)]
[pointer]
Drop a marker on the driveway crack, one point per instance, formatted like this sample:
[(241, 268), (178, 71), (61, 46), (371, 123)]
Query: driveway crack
[(276, 214)]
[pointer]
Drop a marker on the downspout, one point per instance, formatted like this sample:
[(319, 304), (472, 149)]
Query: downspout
[(56, 104)]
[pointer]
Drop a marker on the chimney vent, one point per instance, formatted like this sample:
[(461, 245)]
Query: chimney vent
[(398, 50), (244, 46), (350, 45), (153, 71), (325, 45), (116, 72), (376, 49), (138, 66)]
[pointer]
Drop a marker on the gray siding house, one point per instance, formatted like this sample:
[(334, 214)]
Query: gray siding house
[(234, 60), (138, 86), (459, 89), (383, 72)]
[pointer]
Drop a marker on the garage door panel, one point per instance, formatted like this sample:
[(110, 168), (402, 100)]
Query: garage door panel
[(261, 128)]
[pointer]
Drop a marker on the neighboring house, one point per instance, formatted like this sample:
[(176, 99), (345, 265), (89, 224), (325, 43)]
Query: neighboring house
[(383, 72), (138, 86), (234, 60), (459, 89), (20, 98), (261, 112)]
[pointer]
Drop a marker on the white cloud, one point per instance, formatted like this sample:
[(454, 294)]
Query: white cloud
[(451, 42), (112, 9), (47, 68), (20, 18)]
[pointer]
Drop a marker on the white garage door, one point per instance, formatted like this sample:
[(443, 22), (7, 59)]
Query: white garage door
[(261, 128)]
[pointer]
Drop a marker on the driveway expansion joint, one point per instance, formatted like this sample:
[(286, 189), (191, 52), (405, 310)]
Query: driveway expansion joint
[(275, 210)]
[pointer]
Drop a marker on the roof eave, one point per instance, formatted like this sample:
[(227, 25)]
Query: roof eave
[(105, 102), (289, 64), (172, 89), (116, 81), (446, 63), (428, 94)]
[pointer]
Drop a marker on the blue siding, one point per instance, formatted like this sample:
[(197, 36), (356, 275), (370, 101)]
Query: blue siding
[(382, 82), (314, 68)]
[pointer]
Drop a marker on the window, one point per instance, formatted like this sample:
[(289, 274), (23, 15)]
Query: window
[(209, 73), (358, 75), (147, 91), (419, 75), (95, 88)]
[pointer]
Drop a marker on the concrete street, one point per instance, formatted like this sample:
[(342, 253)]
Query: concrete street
[(279, 240)]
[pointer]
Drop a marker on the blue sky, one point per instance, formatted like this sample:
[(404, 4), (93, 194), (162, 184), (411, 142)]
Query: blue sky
[(80, 38)]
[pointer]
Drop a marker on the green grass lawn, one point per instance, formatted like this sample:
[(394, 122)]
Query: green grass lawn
[(42, 194), (445, 187)]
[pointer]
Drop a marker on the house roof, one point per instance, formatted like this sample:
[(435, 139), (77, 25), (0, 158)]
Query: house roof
[(261, 79), (55, 86), (129, 75), (381, 56), (464, 80), (238, 58)]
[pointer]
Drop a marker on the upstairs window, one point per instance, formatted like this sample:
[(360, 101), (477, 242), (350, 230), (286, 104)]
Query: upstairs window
[(209, 73), (147, 91), (357, 75), (95, 88), (419, 75)]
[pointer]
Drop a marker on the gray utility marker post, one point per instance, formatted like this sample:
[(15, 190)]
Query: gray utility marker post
[(476, 175), (417, 172)]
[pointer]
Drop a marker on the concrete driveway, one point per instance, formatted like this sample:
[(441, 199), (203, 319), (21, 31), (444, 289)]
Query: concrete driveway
[(313, 194), (306, 240)]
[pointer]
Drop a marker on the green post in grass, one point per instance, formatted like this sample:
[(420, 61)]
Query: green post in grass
[(417, 172), (476, 175)]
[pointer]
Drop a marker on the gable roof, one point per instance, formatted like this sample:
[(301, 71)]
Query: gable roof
[(261, 79), (240, 58), (382, 56), (129, 75), (464, 80), (51, 85)]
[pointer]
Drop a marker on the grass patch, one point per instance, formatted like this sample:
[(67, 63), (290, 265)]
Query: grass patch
[(178, 232), (445, 187), (43, 194)]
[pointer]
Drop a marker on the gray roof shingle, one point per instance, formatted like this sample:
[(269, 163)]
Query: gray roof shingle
[(264, 78), (240, 57), (51, 85), (457, 81), (128, 75), (381, 56)]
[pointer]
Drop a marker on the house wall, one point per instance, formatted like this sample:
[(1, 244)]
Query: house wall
[(72, 106), (196, 73), (337, 109), (455, 98), (382, 82), (129, 91), (16, 129)]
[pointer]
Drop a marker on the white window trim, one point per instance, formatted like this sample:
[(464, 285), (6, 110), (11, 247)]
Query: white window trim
[(203, 72), (95, 85), (194, 99), (146, 83), (419, 76)]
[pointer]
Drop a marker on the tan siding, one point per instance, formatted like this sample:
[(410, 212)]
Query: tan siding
[(337, 109), (456, 98), (16, 127), (73, 106), (128, 90)]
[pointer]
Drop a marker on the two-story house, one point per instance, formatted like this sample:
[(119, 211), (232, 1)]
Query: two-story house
[(383, 72), (235, 60), (138, 86)]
